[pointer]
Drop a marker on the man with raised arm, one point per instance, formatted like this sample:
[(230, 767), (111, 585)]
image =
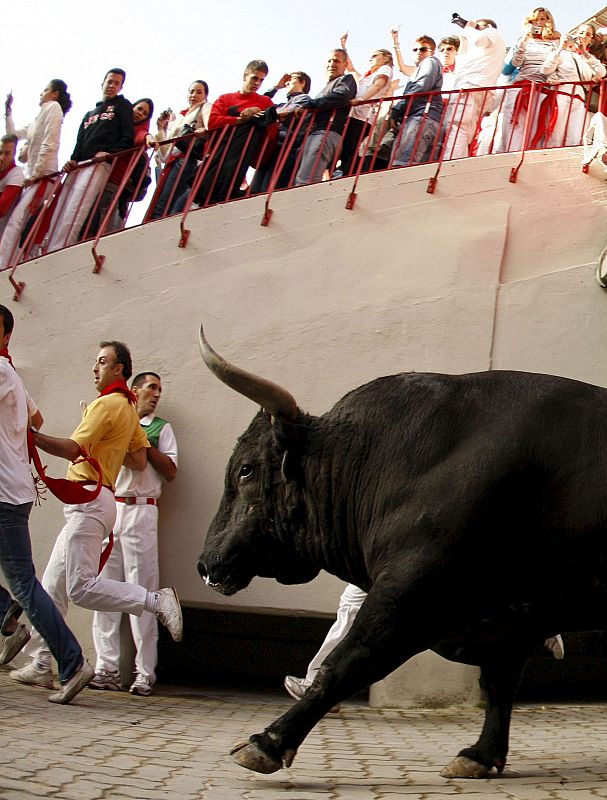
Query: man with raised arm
[(109, 433), (332, 104), (479, 66)]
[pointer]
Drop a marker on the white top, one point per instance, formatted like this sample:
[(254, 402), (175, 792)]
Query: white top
[(42, 136), (366, 112), (148, 482), (528, 55), (571, 66), (202, 111), (482, 62), (12, 178), (16, 482)]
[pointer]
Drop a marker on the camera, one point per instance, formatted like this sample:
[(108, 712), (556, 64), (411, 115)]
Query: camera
[(457, 20), (167, 113)]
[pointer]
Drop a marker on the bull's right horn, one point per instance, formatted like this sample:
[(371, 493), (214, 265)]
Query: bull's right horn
[(269, 395)]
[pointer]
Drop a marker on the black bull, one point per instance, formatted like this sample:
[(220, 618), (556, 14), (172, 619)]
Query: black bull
[(471, 508)]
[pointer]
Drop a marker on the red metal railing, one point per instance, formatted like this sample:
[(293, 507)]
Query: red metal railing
[(241, 160)]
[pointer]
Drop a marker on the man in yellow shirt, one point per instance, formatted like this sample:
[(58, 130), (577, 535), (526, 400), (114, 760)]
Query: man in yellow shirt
[(110, 433)]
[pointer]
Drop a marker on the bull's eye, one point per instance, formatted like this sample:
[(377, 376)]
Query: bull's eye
[(246, 470)]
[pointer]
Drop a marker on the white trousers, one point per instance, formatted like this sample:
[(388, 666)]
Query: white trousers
[(134, 559), (350, 602), (569, 128), (462, 119), (78, 195), (71, 573), (10, 252)]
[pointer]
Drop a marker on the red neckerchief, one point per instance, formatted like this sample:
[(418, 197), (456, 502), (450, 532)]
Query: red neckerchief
[(370, 71), (449, 68), (119, 385), (4, 173), (4, 354), (66, 491)]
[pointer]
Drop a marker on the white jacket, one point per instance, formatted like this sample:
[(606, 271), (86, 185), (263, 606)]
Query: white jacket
[(42, 136)]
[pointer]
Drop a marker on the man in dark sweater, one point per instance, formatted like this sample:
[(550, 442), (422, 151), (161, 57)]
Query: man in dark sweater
[(323, 143), (106, 129)]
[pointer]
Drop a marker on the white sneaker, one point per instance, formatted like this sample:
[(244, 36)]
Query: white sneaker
[(13, 644), (169, 612), (556, 646), (141, 686), (296, 687), (32, 676), (105, 680), (75, 684)]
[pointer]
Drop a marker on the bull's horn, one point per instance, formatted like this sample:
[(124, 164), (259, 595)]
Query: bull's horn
[(269, 395)]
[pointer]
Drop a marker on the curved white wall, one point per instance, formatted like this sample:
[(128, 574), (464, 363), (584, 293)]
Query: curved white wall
[(481, 274)]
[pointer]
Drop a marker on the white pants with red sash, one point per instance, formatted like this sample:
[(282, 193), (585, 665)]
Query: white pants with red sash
[(71, 573), (134, 559)]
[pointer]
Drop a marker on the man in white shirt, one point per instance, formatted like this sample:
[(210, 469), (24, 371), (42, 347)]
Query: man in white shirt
[(479, 66), (17, 493), (134, 557)]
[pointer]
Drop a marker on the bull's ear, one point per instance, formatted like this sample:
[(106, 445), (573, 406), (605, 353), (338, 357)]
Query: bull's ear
[(288, 439)]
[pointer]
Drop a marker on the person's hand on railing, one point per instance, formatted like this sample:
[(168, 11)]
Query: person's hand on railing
[(102, 155), (69, 166), (247, 113), (151, 141)]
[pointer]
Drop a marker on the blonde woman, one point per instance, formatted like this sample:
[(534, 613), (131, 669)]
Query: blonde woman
[(539, 41)]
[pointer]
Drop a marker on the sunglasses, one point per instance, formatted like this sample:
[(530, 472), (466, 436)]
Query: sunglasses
[(420, 49), (446, 49)]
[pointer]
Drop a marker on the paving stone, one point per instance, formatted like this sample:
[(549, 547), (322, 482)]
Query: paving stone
[(174, 746)]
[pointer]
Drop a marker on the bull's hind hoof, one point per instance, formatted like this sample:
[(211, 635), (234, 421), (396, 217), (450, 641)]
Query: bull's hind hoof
[(250, 755), (462, 767)]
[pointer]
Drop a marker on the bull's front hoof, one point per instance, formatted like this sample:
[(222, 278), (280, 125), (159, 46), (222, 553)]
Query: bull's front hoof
[(250, 755), (462, 767)]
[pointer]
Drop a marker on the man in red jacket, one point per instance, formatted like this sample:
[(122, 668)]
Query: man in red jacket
[(250, 134)]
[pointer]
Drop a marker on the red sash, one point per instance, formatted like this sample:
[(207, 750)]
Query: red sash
[(547, 113)]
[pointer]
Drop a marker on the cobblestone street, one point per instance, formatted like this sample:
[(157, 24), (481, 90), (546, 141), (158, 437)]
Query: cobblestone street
[(110, 745)]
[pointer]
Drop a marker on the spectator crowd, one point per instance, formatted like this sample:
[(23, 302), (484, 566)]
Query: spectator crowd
[(467, 95)]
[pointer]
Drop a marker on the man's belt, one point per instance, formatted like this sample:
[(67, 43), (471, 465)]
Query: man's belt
[(137, 501)]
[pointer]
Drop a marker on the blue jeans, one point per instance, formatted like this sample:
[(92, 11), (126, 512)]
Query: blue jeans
[(18, 568), (321, 151), (181, 191), (412, 139)]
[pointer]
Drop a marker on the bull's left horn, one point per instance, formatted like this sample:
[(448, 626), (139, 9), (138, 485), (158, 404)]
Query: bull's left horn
[(269, 395)]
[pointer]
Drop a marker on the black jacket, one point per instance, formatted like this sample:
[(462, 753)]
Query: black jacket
[(107, 128)]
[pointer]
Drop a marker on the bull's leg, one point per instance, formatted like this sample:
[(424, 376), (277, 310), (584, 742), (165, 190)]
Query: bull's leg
[(377, 643), (499, 679)]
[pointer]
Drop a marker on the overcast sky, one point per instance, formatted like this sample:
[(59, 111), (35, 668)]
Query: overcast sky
[(163, 46)]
